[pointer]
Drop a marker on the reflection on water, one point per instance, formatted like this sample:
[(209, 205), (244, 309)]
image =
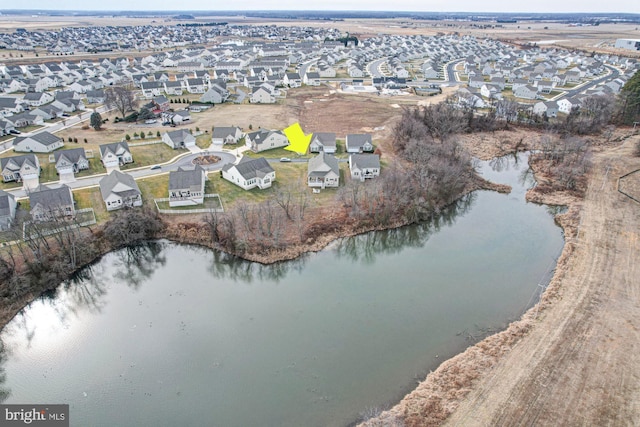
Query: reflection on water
[(137, 263), (167, 334), (365, 247)]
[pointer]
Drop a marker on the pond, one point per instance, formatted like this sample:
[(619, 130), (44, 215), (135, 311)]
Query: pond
[(165, 334)]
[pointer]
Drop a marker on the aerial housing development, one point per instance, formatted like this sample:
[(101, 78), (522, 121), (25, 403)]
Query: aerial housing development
[(364, 195)]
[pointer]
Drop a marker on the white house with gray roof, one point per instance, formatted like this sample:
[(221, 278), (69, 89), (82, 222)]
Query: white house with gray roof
[(120, 190), (250, 173), (358, 143), (70, 162), (25, 168), (7, 209), (223, 135), (43, 142), (265, 139), (323, 171), (51, 203), (364, 166), (115, 155), (323, 142), (186, 186), (180, 138)]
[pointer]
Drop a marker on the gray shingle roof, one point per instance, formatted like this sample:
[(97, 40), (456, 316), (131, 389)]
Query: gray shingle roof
[(72, 155), (251, 168), (113, 147), (223, 131), (186, 178), (51, 198), (362, 161), (323, 163), (5, 209), (108, 184), (19, 160), (44, 138)]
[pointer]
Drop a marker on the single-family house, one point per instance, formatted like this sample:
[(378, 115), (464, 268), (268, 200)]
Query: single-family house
[(115, 155), (186, 186), (95, 96), (250, 173), (323, 142), (262, 95), (36, 99), (7, 209), (292, 80), (223, 135), (70, 162), (196, 86), (364, 166), (173, 87), (264, 139), (359, 143), (323, 171), (51, 203), (120, 190), (20, 168), (565, 105), (180, 138), (546, 108), (526, 92), (151, 89), (311, 79), (43, 142), (215, 95)]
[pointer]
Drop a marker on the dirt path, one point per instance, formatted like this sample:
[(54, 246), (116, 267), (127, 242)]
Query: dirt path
[(580, 363)]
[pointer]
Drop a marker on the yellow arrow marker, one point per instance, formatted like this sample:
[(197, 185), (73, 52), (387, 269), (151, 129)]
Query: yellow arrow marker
[(298, 141)]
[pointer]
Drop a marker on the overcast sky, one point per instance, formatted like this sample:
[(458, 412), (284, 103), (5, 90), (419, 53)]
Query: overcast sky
[(542, 6)]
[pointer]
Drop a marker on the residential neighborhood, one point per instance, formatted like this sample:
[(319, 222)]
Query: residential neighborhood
[(226, 65)]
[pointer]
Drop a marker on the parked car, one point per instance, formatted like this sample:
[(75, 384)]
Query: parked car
[(285, 159), (156, 167), (150, 121), (15, 132)]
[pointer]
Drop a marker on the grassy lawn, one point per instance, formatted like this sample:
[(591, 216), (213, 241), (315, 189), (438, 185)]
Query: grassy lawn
[(155, 187), (147, 155), (30, 128), (203, 141), (288, 175), (91, 198)]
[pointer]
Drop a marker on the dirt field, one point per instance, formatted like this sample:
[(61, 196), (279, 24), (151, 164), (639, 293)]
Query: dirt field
[(579, 360), (580, 365)]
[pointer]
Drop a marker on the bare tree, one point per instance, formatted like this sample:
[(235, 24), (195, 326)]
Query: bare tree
[(121, 98)]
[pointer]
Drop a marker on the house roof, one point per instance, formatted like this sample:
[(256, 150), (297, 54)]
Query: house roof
[(186, 177), (72, 155), (362, 161), (357, 139), (224, 131), (44, 138), (50, 198), (119, 183), (5, 205), (323, 163), (30, 159), (114, 147), (327, 139), (178, 135), (251, 168)]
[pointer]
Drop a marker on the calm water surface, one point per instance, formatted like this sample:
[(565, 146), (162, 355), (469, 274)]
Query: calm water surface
[(171, 335)]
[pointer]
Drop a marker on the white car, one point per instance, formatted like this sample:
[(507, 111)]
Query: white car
[(285, 159), (150, 121)]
